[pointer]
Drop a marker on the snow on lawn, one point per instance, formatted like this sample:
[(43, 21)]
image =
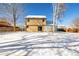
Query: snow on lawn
[(39, 44)]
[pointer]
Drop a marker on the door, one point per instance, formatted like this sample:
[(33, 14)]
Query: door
[(39, 28)]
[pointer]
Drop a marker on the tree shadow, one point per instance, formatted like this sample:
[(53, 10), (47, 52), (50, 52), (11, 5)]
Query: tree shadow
[(28, 47), (73, 50)]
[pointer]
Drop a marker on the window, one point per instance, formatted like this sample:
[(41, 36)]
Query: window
[(27, 26), (43, 20), (28, 20)]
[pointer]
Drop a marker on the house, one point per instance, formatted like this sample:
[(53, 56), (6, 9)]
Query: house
[(35, 23), (72, 29), (5, 25), (50, 28)]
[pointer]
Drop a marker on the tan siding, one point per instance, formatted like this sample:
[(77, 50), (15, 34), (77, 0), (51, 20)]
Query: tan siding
[(43, 28), (32, 29), (34, 23)]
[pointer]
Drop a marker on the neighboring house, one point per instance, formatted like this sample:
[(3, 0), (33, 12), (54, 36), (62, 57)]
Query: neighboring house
[(60, 28), (68, 28), (35, 23), (6, 26), (49, 28), (72, 29)]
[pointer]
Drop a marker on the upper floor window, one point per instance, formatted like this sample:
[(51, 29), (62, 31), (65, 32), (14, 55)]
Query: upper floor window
[(28, 20), (43, 20), (27, 26)]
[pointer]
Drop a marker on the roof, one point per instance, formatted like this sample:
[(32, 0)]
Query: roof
[(35, 16)]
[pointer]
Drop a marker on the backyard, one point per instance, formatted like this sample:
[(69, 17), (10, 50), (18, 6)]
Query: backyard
[(39, 44)]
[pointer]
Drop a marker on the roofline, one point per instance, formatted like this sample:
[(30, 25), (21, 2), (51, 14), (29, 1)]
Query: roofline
[(35, 16)]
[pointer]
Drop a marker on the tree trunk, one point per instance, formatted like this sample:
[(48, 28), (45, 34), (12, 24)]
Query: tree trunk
[(14, 25), (14, 17)]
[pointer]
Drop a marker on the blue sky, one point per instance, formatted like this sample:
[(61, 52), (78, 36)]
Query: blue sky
[(72, 11), (37, 9)]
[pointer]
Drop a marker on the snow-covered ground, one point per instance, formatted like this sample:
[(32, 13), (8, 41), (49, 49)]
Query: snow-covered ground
[(39, 44)]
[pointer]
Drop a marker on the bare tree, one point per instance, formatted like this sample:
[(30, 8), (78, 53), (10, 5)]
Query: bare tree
[(12, 10), (58, 11), (75, 22)]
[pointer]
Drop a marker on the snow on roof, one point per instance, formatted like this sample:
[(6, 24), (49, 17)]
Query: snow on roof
[(35, 16)]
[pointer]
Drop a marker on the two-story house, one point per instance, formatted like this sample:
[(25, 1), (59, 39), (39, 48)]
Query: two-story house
[(35, 23)]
